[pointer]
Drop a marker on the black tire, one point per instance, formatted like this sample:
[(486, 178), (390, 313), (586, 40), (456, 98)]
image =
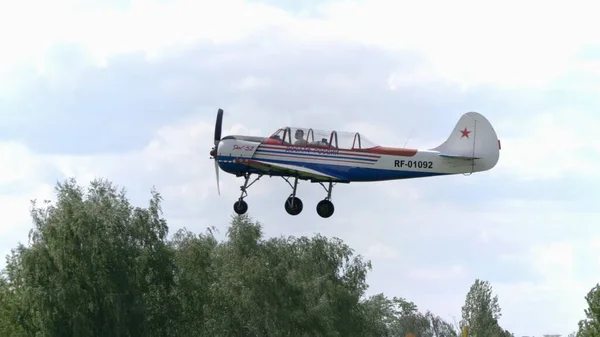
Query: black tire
[(296, 209), (325, 208), (240, 207)]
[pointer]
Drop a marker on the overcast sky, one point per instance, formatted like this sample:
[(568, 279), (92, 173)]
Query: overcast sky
[(128, 91)]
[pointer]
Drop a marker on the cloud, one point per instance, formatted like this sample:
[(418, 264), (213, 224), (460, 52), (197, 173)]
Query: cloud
[(566, 273), (438, 274), (251, 82), (463, 42), (554, 144), (381, 251)]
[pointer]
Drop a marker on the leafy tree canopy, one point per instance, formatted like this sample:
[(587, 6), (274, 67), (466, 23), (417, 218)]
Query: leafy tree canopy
[(97, 266), (590, 326)]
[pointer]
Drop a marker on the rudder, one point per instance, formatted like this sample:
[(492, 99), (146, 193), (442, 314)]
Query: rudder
[(473, 138)]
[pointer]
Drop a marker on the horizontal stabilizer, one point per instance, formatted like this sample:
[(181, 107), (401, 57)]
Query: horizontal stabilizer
[(457, 157)]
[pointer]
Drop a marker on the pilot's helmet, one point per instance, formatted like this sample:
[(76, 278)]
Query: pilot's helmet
[(299, 134)]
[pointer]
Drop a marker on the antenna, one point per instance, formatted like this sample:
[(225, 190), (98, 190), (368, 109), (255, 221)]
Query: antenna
[(409, 135)]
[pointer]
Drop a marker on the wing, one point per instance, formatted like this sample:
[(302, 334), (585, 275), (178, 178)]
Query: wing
[(301, 172)]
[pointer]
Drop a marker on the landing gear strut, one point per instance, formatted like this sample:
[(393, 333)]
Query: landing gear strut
[(240, 206), (325, 207), (293, 205)]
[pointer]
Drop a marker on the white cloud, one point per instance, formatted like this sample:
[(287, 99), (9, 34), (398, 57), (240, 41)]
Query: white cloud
[(180, 152), (381, 251), (551, 145), (177, 156), (469, 41), (15, 209), (565, 275), (148, 26), (21, 179), (438, 274), (18, 163), (465, 41), (251, 82)]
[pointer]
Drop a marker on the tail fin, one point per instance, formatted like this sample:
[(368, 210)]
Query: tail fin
[(473, 139)]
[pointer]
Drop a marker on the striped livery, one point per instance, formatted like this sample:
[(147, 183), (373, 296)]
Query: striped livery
[(472, 146)]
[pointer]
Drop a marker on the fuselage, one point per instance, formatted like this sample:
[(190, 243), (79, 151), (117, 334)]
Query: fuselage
[(349, 164)]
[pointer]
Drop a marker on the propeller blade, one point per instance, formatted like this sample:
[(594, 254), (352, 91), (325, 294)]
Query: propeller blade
[(218, 126), (215, 153), (217, 172)]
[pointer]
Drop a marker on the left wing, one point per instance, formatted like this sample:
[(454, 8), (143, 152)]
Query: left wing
[(301, 172)]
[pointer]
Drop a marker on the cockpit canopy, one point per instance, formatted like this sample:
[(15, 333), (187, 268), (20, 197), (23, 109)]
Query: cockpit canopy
[(310, 137)]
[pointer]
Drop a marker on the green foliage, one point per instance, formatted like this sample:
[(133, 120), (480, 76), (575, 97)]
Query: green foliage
[(590, 326), (481, 312), (276, 287), (97, 266), (8, 310), (397, 317)]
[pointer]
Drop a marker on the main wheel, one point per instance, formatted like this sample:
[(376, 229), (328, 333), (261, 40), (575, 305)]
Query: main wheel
[(294, 209), (325, 208), (240, 207)]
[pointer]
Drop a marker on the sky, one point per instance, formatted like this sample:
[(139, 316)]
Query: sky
[(129, 90)]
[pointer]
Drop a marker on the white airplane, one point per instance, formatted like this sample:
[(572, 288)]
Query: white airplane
[(342, 157)]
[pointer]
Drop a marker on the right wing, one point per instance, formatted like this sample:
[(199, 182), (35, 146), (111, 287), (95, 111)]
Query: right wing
[(300, 171)]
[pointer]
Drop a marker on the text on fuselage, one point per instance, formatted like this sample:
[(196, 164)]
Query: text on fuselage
[(243, 147), (426, 164), (316, 150)]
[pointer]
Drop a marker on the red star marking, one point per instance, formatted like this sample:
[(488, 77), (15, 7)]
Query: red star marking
[(465, 133)]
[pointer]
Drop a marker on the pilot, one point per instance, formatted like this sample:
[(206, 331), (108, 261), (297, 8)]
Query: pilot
[(300, 137)]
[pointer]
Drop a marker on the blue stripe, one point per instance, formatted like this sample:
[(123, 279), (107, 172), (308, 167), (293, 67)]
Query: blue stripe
[(346, 173), (309, 154)]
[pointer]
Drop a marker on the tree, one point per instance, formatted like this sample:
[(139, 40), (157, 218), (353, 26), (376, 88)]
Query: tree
[(95, 266), (398, 317), (590, 326), (439, 327), (285, 286), (195, 277), (8, 308), (481, 312)]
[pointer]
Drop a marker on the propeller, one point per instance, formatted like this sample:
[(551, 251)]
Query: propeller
[(215, 150)]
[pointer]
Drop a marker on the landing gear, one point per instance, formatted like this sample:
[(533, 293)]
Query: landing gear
[(240, 206), (293, 205), (325, 207)]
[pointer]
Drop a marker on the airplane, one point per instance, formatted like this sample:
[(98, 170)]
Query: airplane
[(331, 157)]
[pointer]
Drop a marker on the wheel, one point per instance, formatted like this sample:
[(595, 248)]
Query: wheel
[(325, 208), (296, 208), (240, 207)]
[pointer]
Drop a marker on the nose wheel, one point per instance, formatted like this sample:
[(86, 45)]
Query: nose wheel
[(293, 205), (325, 207), (241, 207)]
